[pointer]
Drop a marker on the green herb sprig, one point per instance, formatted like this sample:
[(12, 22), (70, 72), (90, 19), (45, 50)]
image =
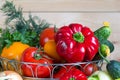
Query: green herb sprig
[(20, 29)]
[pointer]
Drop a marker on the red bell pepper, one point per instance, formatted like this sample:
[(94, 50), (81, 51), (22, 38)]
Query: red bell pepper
[(62, 70), (74, 74), (76, 43)]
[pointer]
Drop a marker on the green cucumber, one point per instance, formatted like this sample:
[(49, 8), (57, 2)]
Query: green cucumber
[(103, 33), (113, 69), (109, 44)]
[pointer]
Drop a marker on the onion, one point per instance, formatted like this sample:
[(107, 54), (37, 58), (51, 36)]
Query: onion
[(10, 75)]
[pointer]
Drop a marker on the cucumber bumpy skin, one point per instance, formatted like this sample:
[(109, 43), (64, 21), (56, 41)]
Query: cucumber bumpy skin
[(104, 32), (113, 69)]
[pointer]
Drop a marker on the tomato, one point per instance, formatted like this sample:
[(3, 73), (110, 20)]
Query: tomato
[(46, 35), (40, 67), (90, 68), (12, 75)]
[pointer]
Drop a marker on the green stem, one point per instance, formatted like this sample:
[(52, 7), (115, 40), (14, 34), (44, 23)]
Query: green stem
[(71, 79), (37, 56), (55, 29), (79, 37), (0, 30)]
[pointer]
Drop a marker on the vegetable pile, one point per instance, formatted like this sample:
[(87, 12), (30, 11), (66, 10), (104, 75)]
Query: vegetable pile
[(39, 46)]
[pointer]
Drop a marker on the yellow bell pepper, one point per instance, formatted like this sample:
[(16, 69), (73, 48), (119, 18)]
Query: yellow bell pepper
[(14, 51)]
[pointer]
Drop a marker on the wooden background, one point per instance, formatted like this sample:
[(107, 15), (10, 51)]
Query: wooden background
[(91, 13)]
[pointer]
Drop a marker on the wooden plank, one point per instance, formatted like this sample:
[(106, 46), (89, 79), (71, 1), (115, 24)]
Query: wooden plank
[(93, 20), (69, 5)]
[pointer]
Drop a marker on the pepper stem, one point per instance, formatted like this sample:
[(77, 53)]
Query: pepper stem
[(72, 79), (55, 28), (79, 37)]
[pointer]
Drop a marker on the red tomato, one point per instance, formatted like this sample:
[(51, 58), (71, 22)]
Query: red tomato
[(47, 34), (90, 68), (37, 70)]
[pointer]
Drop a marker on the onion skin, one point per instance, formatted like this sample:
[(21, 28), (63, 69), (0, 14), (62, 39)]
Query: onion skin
[(12, 74)]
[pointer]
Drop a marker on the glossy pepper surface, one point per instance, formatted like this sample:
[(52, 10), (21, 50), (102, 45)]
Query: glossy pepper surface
[(14, 51), (76, 43), (74, 74)]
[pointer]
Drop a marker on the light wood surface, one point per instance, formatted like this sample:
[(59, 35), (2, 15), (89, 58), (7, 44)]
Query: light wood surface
[(91, 13), (68, 5)]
